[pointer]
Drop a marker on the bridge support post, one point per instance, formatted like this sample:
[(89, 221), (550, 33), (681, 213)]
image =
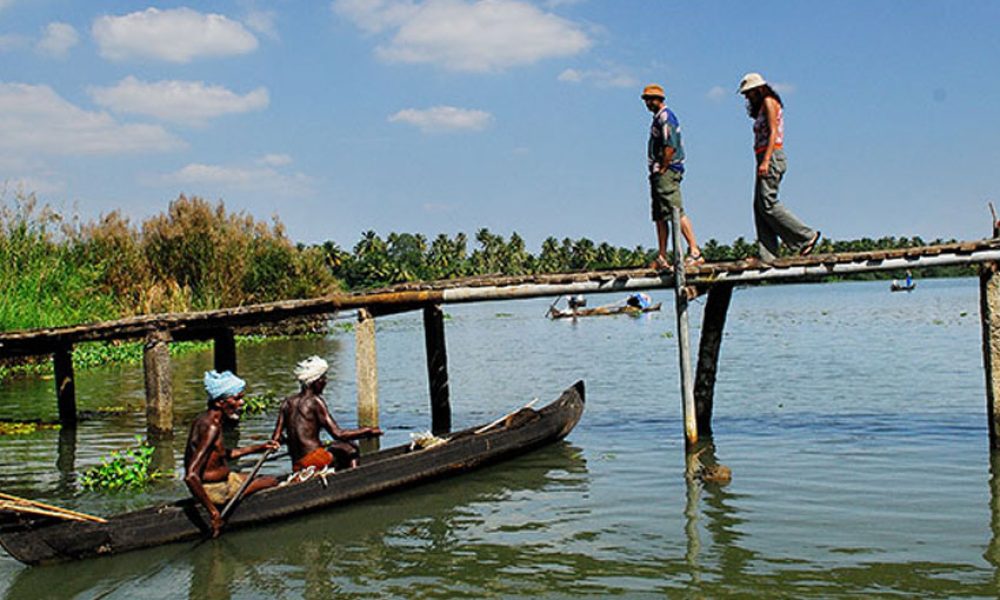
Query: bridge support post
[(159, 393), (437, 369), (225, 350), (366, 368), (713, 323), (683, 337), (989, 305), (62, 362)]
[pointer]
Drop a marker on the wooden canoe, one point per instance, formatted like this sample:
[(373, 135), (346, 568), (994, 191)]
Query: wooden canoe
[(559, 313), (40, 540)]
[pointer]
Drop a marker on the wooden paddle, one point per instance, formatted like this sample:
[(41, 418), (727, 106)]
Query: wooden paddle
[(246, 483), (16, 503)]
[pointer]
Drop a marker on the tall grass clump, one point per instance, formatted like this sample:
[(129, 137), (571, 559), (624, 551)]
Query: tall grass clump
[(42, 283)]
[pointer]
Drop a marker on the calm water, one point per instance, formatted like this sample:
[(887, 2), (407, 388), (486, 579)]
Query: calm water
[(853, 420)]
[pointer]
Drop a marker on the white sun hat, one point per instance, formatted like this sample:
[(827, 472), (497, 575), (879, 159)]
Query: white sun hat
[(750, 81)]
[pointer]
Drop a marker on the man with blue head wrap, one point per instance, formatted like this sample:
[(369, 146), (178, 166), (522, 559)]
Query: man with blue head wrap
[(303, 415), (206, 468)]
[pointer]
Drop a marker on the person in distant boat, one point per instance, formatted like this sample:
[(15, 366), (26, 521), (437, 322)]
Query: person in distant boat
[(303, 415), (665, 155), (639, 300), (206, 469), (909, 278), (771, 218)]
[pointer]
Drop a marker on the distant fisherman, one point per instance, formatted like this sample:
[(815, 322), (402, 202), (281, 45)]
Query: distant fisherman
[(206, 467), (301, 417)]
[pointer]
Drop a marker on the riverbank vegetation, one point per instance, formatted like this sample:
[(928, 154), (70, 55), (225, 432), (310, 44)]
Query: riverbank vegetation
[(56, 270)]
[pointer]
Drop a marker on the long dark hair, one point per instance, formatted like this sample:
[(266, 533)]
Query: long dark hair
[(755, 99)]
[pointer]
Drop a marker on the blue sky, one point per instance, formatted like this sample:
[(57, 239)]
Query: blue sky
[(441, 116)]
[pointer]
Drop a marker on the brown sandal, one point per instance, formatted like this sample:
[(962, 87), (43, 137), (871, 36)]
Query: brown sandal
[(808, 248)]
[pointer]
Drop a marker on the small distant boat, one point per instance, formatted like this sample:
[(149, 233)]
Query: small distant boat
[(906, 286), (635, 304)]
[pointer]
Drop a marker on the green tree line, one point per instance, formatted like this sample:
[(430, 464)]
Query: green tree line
[(56, 270)]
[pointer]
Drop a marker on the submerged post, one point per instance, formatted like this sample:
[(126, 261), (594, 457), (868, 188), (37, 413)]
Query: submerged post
[(225, 350), (437, 369), (159, 393), (366, 368), (713, 323), (989, 307), (62, 362), (683, 337)]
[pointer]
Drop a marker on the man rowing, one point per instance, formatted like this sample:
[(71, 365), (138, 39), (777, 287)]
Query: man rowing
[(206, 467), (304, 414)]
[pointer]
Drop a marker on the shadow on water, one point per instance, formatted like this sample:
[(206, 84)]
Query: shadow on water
[(414, 534)]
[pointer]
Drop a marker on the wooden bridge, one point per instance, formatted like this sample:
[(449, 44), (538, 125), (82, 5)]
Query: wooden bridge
[(715, 279)]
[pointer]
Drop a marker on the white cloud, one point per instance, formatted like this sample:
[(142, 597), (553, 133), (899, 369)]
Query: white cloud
[(5, 3), (443, 118), (233, 177), (33, 118), (177, 101), (57, 39), (178, 36), (13, 41), (263, 22), (464, 35), (275, 160), (33, 185), (718, 93), (603, 78)]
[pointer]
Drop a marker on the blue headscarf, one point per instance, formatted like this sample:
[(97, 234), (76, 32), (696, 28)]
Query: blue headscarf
[(222, 385)]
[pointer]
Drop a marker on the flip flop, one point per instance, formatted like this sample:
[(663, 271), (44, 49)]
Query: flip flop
[(660, 264), (808, 248), (694, 260)]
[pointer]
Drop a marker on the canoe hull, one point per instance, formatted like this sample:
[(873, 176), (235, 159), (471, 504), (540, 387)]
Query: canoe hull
[(46, 540)]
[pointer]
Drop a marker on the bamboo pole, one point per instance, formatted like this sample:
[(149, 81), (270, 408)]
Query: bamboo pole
[(16, 500), (366, 368), (683, 337)]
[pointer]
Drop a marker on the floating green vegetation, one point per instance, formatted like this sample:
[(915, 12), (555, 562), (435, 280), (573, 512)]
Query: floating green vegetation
[(25, 428), (111, 410), (261, 403), (344, 327), (503, 315), (124, 470), (667, 334)]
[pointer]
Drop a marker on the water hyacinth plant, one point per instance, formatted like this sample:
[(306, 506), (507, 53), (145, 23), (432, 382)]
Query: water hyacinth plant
[(129, 469)]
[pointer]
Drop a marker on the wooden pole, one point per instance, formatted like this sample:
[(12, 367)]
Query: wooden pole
[(713, 323), (159, 394), (225, 351), (683, 337), (62, 362), (366, 367), (989, 305), (437, 369)]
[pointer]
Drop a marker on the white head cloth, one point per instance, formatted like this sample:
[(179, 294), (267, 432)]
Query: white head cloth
[(311, 369)]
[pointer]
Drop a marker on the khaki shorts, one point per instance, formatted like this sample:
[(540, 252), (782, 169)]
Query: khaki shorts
[(665, 191), (221, 492)]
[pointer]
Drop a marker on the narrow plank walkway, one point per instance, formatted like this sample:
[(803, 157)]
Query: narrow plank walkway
[(413, 296)]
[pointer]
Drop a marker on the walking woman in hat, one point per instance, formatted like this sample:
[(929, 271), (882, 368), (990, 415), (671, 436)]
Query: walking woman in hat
[(771, 218)]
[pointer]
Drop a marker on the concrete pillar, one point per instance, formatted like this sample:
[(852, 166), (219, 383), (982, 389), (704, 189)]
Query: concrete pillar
[(62, 361), (989, 306), (366, 367), (159, 394), (437, 369), (713, 324), (225, 351)]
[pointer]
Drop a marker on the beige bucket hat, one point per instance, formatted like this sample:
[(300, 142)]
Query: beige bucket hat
[(751, 81)]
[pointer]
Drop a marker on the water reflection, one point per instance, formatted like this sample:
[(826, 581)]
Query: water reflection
[(66, 460), (992, 554)]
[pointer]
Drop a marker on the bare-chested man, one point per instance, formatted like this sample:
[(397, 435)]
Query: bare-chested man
[(302, 416), (206, 467)]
